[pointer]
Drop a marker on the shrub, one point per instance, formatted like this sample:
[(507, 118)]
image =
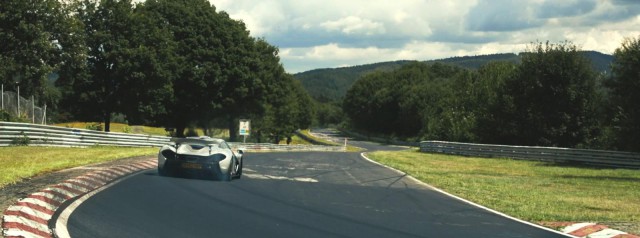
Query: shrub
[(94, 126), (22, 140)]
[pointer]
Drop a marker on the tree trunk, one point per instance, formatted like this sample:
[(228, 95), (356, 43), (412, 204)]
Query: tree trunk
[(107, 121), (233, 129), (180, 130)]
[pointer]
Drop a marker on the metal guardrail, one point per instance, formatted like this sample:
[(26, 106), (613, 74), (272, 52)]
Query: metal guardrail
[(594, 157), (44, 135), (379, 139), (311, 139), (283, 148)]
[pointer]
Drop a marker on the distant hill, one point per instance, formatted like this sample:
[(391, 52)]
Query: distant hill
[(331, 84), (475, 62)]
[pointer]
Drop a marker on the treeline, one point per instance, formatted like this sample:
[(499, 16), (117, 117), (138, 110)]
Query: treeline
[(553, 97), (160, 62)]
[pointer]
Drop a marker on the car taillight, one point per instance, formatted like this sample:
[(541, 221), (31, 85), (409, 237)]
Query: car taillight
[(216, 157), (169, 154)]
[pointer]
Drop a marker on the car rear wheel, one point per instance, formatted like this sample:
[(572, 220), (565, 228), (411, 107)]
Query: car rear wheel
[(238, 170), (162, 171), (229, 175)]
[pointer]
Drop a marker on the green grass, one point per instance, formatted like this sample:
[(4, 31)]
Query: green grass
[(120, 127), (295, 140), (17, 163), (350, 148), (533, 191)]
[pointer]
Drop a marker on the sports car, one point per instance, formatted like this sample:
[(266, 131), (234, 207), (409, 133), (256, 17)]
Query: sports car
[(200, 157)]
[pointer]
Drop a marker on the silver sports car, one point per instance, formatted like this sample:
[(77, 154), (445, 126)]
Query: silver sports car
[(200, 157)]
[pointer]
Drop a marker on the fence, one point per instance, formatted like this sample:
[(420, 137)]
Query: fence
[(12, 133), (379, 139), (43, 135), (20, 107), (594, 157), (285, 148)]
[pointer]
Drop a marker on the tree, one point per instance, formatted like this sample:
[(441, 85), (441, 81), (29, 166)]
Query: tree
[(328, 114), (243, 91), (215, 59), (371, 104), (38, 39), (108, 31), (151, 61), (624, 85), (286, 105), (493, 105), (552, 91)]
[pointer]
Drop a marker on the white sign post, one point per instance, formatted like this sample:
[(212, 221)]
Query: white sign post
[(245, 127)]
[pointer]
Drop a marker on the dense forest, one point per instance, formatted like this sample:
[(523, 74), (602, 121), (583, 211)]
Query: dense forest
[(160, 62), (329, 86), (326, 85), (551, 96)]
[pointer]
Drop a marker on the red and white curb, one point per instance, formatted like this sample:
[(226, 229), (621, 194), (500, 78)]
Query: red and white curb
[(593, 230), (29, 217)]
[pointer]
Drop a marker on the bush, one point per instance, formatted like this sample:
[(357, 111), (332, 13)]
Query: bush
[(5, 116), (126, 129), (22, 140), (94, 126)]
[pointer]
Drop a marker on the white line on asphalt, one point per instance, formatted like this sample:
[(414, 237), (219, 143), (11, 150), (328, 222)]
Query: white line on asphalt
[(61, 230), (464, 200), (271, 177)]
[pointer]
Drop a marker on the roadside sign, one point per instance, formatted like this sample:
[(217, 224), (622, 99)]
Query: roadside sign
[(245, 126)]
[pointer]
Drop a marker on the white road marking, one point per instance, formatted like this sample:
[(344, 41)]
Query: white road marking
[(271, 177), (61, 223), (462, 199)]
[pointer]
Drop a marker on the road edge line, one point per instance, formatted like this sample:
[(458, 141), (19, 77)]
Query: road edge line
[(60, 230), (363, 155)]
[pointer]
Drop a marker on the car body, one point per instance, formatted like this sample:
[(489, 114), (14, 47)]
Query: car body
[(200, 157)]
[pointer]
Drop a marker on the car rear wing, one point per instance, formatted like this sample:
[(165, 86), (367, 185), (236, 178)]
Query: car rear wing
[(196, 140)]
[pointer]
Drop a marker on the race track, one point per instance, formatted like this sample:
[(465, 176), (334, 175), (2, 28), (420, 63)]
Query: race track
[(288, 195)]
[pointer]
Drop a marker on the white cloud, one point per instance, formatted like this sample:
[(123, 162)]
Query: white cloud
[(331, 33), (354, 25)]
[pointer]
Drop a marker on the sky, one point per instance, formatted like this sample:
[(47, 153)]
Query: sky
[(314, 34)]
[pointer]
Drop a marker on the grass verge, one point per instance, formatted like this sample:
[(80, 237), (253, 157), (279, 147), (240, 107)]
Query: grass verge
[(17, 163), (119, 127), (530, 190), (350, 148)]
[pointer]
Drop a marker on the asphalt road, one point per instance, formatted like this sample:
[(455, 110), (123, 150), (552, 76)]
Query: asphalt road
[(288, 195)]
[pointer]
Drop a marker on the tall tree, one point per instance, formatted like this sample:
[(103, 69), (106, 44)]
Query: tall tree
[(243, 91), (37, 40), (286, 106), (151, 60), (108, 39), (493, 106), (215, 59), (625, 95), (553, 92)]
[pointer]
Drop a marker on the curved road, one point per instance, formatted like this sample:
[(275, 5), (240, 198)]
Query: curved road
[(288, 195)]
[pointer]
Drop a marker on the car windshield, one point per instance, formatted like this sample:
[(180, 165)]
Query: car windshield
[(223, 145)]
